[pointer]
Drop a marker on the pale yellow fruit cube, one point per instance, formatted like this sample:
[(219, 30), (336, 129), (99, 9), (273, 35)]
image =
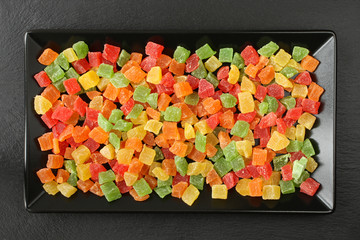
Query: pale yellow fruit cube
[(219, 191), (81, 154), (108, 151), (89, 79), (274, 179), (147, 155), (208, 167), (247, 85), (153, 126), (212, 139), (189, 131), (212, 64), (141, 119), (307, 120), (292, 63), (103, 83), (244, 148), (242, 187), (203, 127), (246, 102), (66, 189), (154, 75), (137, 132), (278, 141), (299, 91), (250, 137), (130, 178), (276, 66), (282, 58), (311, 164), (290, 133), (234, 74), (283, 81), (70, 55), (190, 195), (160, 174), (195, 168), (300, 133), (124, 156), (152, 167), (41, 104), (97, 103), (271, 192), (83, 171), (51, 188)]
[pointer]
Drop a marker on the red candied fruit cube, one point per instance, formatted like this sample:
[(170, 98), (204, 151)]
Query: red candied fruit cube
[(81, 66), (294, 113), (162, 89), (253, 171), (264, 141), (310, 106), (281, 126), (243, 173), (280, 110), (128, 106), (265, 170), (192, 63), (296, 156), (214, 120), (62, 147), (261, 132), (309, 186), (250, 55), (260, 93), (90, 123), (95, 59), (286, 172), (111, 53), (223, 73), (153, 49), (91, 145), (92, 114), (206, 89), (120, 168), (193, 81), (247, 117), (80, 106), (72, 142), (95, 169), (178, 178), (268, 121), (42, 79), (168, 80), (62, 113), (72, 86), (225, 86), (275, 90), (303, 78), (167, 153), (298, 102), (148, 63), (289, 122), (48, 120), (123, 187), (230, 180), (58, 129)]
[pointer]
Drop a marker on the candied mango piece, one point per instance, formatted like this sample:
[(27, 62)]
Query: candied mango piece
[(89, 79), (246, 102), (283, 81), (242, 187), (244, 148), (153, 126), (160, 174), (307, 120), (125, 155), (248, 86)]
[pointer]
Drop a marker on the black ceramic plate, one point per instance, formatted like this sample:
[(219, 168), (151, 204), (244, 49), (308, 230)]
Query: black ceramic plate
[(322, 45)]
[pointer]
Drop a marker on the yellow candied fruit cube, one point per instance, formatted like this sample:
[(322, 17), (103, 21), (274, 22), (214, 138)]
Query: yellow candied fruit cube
[(190, 195), (137, 132), (41, 104), (141, 119), (242, 187), (212, 64), (250, 137), (89, 79), (191, 120), (70, 55), (160, 174), (103, 83), (273, 180), (212, 139), (147, 155), (97, 103), (300, 133), (234, 74), (283, 81), (244, 148), (307, 120), (282, 58), (247, 85), (108, 151), (189, 131), (203, 127), (219, 191), (208, 167), (292, 63), (311, 164), (299, 91), (153, 126), (130, 178), (189, 148), (124, 156), (276, 66), (51, 188), (81, 154), (66, 189), (290, 133), (195, 168), (152, 167), (278, 141), (154, 75), (271, 192), (83, 171), (246, 102)]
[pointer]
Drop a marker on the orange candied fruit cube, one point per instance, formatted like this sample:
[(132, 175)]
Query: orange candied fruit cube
[(135, 74), (314, 92), (45, 175), (99, 135), (179, 189), (150, 180), (259, 156), (66, 133), (55, 161), (255, 187), (210, 150), (134, 143), (85, 186), (309, 63), (163, 101), (169, 167), (177, 68), (227, 119), (62, 176), (170, 130), (46, 141), (136, 57), (124, 95), (251, 70), (178, 148), (111, 92), (68, 151), (182, 89), (51, 93), (196, 155), (128, 65), (153, 113), (135, 166), (224, 139), (92, 94), (163, 61), (95, 189), (48, 56), (211, 105), (149, 139), (212, 178), (80, 134), (185, 110), (267, 74), (263, 61), (107, 108), (162, 141)]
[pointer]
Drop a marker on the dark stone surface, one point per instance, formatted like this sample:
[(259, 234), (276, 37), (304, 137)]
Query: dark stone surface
[(16, 17)]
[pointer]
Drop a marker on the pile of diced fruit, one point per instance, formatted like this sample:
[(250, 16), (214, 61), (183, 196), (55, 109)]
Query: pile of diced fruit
[(137, 123)]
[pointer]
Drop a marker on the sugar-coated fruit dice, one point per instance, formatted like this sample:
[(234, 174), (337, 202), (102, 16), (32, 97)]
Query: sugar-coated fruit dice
[(219, 191)]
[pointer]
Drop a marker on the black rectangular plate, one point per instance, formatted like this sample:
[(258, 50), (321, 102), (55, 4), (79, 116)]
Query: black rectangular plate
[(322, 45)]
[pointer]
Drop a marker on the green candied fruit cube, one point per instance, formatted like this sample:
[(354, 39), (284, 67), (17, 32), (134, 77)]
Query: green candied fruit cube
[(222, 167), (135, 112), (168, 182), (299, 53), (200, 72), (181, 165), (219, 154), (289, 72), (71, 73), (226, 55), (70, 166), (115, 115), (230, 151), (114, 140), (172, 114), (298, 168), (192, 99), (211, 78), (197, 181), (280, 161), (240, 129), (111, 191), (72, 180), (141, 93), (142, 188), (294, 146), (237, 163), (228, 100), (119, 80), (304, 175), (81, 49), (307, 148), (268, 49), (303, 161), (107, 176), (123, 126), (200, 142), (105, 70), (124, 57), (263, 108), (60, 85), (158, 154), (289, 102), (273, 104), (152, 100), (238, 61), (181, 54), (287, 187), (205, 52), (104, 123), (62, 61), (54, 72), (163, 191)]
